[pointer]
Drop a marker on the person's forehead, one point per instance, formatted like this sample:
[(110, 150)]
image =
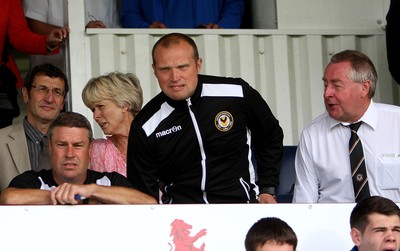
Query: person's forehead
[(44, 79), (79, 133), (335, 70), (376, 219), (180, 45), (272, 245)]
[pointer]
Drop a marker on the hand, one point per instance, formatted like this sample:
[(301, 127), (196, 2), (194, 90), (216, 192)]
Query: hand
[(209, 26), (96, 24), (266, 198), (212, 26), (56, 37), (157, 24), (65, 193)]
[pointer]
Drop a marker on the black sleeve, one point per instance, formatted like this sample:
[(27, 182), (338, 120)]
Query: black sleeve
[(28, 179), (141, 167), (118, 180), (393, 39), (267, 140)]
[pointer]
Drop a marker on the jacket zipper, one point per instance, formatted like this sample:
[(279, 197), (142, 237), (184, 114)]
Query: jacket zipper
[(202, 152)]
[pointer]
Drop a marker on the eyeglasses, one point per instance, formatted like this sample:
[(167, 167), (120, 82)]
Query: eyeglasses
[(44, 90)]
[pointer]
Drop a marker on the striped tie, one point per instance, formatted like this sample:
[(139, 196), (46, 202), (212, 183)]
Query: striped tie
[(357, 163)]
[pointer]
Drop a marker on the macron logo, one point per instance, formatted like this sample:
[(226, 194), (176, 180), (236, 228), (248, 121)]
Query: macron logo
[(168, 131)]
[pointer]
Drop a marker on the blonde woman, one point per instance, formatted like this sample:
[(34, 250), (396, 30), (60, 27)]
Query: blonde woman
[(115, 99)]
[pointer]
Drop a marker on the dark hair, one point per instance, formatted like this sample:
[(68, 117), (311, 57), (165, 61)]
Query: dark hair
[(45, 70), (174, 39), (270, 229), (362, 68), (368, 206), (71, 119)]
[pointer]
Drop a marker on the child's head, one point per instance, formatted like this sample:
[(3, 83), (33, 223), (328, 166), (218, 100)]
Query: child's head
[(269, 234)]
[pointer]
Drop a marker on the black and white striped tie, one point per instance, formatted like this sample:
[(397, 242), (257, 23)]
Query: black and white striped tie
[(357, 163)]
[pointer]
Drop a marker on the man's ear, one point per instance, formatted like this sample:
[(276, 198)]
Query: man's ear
[(25, 95), (90, 148), (356, 236), (366, 87), (199, 64)]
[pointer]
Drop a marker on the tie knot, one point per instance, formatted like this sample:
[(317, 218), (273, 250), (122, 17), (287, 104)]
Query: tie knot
[(355, 126)]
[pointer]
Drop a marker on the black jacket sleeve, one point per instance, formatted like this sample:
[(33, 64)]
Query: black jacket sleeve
[(267, 140), (141, 167)]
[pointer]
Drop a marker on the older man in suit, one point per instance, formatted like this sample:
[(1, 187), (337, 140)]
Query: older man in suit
[(23, 145)]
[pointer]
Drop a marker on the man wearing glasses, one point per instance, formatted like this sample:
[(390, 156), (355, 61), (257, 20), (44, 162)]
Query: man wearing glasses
[(23, 146)]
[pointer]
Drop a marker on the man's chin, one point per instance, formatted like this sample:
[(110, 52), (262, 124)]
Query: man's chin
[(333, 115), (49, 117)]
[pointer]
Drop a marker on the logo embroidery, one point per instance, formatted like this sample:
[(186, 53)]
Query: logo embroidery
[(223, 121), (169, 131), (359, 177)]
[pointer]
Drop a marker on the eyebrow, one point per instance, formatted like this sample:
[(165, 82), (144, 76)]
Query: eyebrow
[(66, 142), (170, 67), (379, 228), (51, 84), (385, 228), (335, 80)]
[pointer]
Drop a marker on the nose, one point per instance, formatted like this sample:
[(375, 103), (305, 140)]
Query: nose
[(49, 97), (96, 113), (70, 152), (390, 236), (328, 91), (175, 76)]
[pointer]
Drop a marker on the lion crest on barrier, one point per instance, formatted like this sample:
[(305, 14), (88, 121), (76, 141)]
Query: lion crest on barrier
[(181, 239)]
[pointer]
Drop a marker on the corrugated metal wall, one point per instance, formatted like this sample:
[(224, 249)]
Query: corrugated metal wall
[(286, 68), (285, 65)]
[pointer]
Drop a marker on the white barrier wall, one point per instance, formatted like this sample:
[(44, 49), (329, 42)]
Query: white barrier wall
[(284, 65), (148, 228)]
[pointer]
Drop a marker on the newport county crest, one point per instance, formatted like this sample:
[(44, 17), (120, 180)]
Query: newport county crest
[(223, 121)]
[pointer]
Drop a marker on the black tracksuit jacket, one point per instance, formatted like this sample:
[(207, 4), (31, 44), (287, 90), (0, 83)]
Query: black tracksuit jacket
[(204, 149)]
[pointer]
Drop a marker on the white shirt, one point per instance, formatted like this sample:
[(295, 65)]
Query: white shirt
[(323, 163), (51, 11)]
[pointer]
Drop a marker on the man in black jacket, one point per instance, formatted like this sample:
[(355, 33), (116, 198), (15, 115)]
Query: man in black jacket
[(197, 138)]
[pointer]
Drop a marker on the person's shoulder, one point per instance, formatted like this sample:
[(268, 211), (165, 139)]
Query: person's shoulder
[(105, 178), (12, 131), (5, 132), (99, 147), (100, 142), (219, 79), (32, 175), (319, 122), (388, 108), (95, 176), (153, 106)]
